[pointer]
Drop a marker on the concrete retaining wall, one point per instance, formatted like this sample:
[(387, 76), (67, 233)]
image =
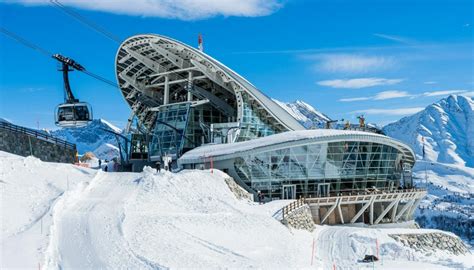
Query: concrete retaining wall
[(428, 242), (26, 145)]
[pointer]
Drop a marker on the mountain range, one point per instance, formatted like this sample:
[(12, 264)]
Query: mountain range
[(445, 129), (95, 137)]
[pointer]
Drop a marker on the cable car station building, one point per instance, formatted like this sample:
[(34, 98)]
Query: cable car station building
[(203, 115)]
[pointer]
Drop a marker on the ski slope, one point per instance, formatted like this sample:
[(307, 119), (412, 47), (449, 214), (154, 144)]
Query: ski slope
[(154, 220)]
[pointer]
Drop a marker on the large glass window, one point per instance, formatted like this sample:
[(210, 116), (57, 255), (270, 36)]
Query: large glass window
[(346, 166), (170, 127)]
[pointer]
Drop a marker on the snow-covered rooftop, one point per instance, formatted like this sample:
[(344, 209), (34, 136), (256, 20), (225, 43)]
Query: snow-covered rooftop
[(216, 150)]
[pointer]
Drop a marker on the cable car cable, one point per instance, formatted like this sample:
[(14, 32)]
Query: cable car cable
[(100, 78), (37, 48), (25, 42), (85, 21)]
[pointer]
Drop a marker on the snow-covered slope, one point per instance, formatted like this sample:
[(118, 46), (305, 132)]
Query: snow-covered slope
[(29, 190), (306, 114), (448, 129), (92, 138), (190, 219)]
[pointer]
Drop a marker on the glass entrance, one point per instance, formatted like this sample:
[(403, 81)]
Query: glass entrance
[(323, 190), (288, 192)]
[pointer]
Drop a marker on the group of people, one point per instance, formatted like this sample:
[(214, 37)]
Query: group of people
[(109, 166), (167, 163)]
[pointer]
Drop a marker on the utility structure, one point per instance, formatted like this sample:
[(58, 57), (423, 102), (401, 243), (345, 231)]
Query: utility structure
[(361, 121), (330, 122), (71, 113)]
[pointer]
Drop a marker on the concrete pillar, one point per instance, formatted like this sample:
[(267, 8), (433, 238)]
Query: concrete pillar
[(166, 94), (190, 84)]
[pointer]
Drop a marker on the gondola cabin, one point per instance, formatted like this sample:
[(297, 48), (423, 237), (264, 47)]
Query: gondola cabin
[(73, 114)]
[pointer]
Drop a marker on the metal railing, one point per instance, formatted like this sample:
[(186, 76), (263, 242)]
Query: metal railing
[(37, 134), (302, 200)]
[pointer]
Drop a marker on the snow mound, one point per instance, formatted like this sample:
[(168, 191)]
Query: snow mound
[(29, 189)]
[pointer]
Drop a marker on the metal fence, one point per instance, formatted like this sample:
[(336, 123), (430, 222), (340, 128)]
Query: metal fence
[(37, 134)]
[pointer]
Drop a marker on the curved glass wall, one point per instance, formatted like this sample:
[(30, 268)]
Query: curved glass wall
[(254, 123), (322, 169)]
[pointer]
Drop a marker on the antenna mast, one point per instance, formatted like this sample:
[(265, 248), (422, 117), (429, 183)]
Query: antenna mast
[(200, 46)]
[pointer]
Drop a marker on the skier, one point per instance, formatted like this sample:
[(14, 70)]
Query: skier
[(100, 164)]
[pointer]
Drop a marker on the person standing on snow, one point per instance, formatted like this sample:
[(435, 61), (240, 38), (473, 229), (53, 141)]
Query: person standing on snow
[(260, 197)]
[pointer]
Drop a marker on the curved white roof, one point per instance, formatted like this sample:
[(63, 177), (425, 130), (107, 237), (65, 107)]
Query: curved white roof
[(290, 138), (142, 58)]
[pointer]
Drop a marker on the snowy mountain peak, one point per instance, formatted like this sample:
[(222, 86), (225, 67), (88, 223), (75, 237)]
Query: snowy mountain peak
[(4, 120), (109, 125), (447, 127), (306, 114), (92, 138)]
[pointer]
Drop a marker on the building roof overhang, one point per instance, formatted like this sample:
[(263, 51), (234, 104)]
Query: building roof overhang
[(143, 60), (288, 139)]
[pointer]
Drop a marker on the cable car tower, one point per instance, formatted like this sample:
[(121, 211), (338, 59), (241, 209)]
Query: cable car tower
[(71, 113)]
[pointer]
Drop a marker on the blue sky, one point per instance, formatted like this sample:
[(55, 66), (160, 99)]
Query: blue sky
[(385, 59)]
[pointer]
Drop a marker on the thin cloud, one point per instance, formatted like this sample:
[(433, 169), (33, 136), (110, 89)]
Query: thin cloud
[(391, 94), (395, 38), (351, 63), (402, 94), (380, 96), (400, 111), (32, 89), (176, 9), (430, 82), (354, 99), (358, 83), (443, 93)]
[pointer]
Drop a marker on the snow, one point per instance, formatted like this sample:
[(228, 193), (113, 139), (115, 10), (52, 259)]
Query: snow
[(4, 120), (225, 149), (107, 151), (153, 219), (29, 189)]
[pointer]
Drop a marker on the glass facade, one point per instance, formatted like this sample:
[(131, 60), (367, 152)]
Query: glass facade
[(322, 168), (254, 123), (168, 136), (180, 127)]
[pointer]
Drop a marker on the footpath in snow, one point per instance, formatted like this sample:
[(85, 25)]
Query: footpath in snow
[(154, 220)]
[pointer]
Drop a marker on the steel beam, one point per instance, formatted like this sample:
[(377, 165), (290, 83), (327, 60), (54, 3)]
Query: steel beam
[(340, 212), (331, 210), (380, 217), (361, 211), (166, 97), (404, 208)]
